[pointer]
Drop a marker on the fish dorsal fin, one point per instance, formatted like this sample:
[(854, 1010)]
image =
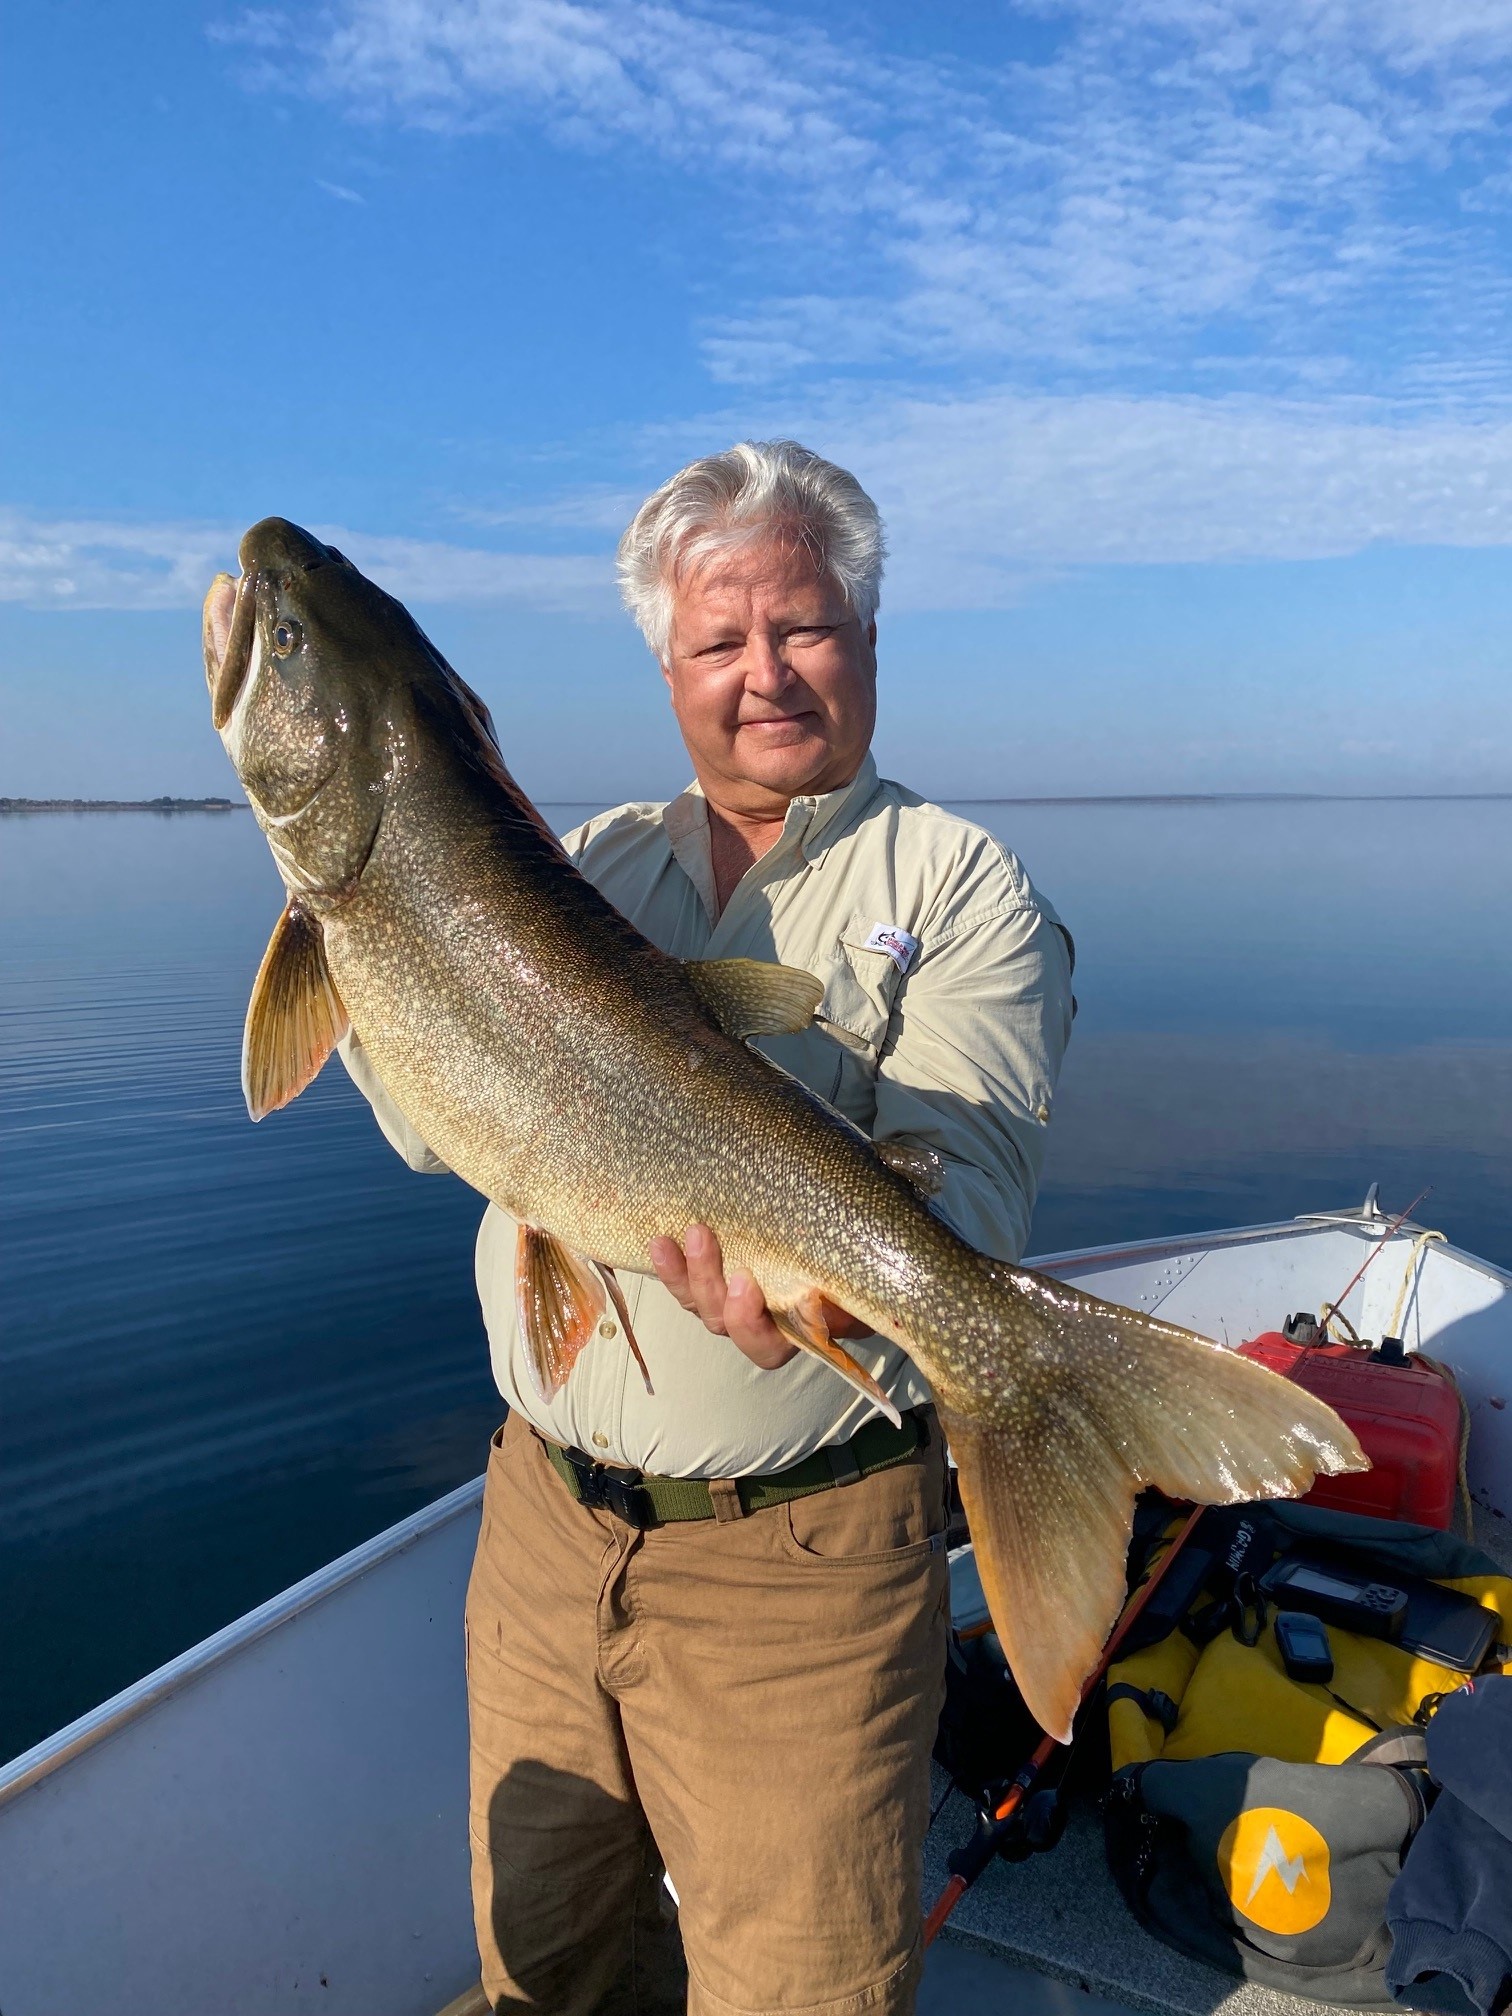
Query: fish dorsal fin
[(752, 997), (559, 1298), (921, 1167), (295, 1018)]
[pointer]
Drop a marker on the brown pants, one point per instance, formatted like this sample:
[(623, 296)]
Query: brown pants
[(751, 1702)]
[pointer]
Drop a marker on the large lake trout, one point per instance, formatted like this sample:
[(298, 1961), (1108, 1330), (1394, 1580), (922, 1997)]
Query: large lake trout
[(603, 1094)]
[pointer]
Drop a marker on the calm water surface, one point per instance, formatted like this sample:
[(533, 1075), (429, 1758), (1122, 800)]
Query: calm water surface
[(228, 1353)]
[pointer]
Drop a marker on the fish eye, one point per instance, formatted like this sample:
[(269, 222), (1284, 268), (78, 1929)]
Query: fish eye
[(286, 636)]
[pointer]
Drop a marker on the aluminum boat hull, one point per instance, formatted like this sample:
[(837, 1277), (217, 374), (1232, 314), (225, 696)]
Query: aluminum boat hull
[(276, 1821)]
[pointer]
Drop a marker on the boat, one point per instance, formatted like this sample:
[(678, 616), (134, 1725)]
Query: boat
[(276, 1821)]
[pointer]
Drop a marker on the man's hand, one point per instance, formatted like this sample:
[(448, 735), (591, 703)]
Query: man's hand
[(734, 1308)]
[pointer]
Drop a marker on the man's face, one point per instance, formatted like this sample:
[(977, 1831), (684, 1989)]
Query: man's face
[(773, 680)]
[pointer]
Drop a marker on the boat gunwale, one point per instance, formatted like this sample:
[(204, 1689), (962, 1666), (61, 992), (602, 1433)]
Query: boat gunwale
[(192, 1664), (1305, 1224)]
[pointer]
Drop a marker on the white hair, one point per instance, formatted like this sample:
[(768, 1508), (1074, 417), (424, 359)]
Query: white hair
[(754, 491)]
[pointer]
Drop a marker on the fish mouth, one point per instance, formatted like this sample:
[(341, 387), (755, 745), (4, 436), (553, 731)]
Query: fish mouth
[(229, 619), (274, 549)]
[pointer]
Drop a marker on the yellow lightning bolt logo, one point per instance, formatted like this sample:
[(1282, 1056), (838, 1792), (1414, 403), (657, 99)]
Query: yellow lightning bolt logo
[(1274, 1866)]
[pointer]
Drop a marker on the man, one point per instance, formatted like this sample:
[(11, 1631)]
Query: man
[(734, 1668)]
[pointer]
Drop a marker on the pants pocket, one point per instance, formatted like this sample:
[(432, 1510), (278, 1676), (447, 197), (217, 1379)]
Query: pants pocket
[(893, 1516)]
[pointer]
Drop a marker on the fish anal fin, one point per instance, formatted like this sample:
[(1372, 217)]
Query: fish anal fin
[(803, 1324), (1105, 1402), (751, 997), (559, 1298), (295, 1017), (917, 1165)]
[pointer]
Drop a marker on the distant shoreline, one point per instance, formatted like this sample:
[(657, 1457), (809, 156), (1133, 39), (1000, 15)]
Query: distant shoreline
[(1253, 798), (121, 805), (24, 805), (1185, 798)]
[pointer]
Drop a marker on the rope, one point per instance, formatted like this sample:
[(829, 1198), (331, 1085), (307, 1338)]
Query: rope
[(1415, 1254), (1423, 1239), (1445, 1372), (1331, 1311)]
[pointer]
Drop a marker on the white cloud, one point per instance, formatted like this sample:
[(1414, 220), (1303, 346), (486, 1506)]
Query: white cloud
[(100, 564), (427, 570), (980, 492), (598, 507), (1180, 184), (95, 564), (986, 493), (760, 93)]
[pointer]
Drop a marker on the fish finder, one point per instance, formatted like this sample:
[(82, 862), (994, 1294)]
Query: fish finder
[(1440, 1624), (1339, 1596)]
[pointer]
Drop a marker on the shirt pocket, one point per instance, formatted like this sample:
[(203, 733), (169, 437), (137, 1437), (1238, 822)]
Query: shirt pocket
[(860, 993), (861, 989)]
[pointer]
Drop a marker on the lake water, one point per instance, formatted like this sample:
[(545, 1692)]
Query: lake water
[(230, 1352)]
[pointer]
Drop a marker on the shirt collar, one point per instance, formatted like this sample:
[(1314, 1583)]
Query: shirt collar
[(827, 813), (686, 823)]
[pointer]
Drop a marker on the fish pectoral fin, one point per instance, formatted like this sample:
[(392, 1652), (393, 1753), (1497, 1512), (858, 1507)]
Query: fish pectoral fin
[(295, 1018), (917, 1165), (1105, 1403), (752, 997), (804, 1325), (559, 1298)]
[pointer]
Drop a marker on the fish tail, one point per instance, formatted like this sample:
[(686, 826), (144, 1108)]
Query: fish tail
[(1108, 1403)]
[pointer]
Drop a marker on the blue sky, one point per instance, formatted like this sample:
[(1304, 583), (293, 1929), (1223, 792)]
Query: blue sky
[(1174, 338)]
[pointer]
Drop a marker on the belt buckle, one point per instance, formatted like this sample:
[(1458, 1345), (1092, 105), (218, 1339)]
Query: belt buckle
[(605, 1491)]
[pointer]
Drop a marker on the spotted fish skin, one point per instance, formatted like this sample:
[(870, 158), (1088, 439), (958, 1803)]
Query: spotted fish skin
[(576, 1076)]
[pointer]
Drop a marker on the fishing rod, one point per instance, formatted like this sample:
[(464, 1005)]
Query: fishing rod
[(968, 1862), (1331, 1309)]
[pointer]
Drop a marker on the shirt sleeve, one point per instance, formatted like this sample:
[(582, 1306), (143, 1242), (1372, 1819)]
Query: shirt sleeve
[(397, 1131), (970, 1067)]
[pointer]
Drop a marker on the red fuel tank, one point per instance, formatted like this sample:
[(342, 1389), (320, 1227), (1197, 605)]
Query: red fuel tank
[(1406, 1415)]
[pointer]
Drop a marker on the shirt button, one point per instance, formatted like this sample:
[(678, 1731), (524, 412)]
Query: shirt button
[(600, 1441), (608, 1329)]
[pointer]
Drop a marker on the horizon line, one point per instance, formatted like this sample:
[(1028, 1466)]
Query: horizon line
[(165, 801)]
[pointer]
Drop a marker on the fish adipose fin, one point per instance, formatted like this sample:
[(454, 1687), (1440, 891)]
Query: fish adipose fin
[(750, 997), (295, 1018), (921, 1167), (559, 1297), (1048, 1477), (804, 1325)]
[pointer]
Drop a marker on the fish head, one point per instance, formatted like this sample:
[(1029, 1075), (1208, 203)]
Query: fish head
[(300, 657)]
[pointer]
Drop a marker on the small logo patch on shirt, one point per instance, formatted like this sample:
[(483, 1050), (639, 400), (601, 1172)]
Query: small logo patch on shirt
[(897, 943)]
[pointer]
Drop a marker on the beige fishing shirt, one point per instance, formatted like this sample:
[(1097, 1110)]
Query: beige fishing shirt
[(946, 1012)]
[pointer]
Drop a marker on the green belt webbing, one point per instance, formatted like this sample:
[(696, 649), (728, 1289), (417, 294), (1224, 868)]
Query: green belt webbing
[(876, 1446)]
